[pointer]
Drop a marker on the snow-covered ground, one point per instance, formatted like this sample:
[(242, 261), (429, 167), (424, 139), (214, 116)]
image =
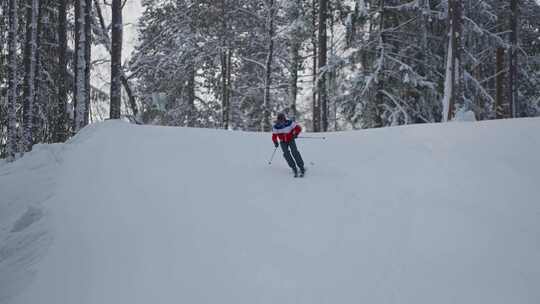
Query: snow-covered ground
[(446, 213)]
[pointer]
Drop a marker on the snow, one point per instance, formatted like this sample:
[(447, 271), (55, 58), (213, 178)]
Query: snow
[(465, 116), (444, 213), (362, 8)]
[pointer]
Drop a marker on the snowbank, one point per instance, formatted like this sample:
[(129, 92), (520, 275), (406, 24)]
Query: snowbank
[(444, 213)]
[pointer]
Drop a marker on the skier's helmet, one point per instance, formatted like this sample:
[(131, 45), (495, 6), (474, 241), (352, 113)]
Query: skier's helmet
[(281, 117)]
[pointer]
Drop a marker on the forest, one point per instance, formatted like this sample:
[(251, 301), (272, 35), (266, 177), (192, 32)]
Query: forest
[(333, 65)]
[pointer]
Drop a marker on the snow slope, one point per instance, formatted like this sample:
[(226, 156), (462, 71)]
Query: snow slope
[(446, 213)]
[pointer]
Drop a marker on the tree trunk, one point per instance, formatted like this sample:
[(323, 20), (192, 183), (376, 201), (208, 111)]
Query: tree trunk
[(459, 50), (225, 107), (13, 80), (425, 67), (191, 96), (39, 124), (224, 91), (332, 78), (229, 90), (453, 90), (379, 96), (60, 131), (512, 60), (30, 57), (116, 59), (294, 54), (88, 57), (452, 59), (107, 43), (293, 82), (79, 92), (315, 106), (499, 91), (269, 58), (321, 84)]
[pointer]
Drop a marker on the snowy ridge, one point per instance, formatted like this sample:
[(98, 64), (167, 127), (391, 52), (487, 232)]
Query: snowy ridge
[(25, 235), (443, 213)]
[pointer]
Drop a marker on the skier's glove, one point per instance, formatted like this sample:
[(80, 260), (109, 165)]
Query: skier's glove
[(276, 144), (295, 136)]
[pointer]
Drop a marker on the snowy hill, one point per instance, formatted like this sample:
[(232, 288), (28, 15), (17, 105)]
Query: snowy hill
[(446, 213)]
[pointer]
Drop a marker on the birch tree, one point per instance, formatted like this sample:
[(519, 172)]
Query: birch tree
[(453, 88)]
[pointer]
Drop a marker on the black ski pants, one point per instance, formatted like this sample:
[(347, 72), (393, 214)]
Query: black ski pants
[(295, 159)]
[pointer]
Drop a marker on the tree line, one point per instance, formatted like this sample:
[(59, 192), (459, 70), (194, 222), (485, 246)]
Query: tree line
[(233, 64), (45, 71), (336, 64)]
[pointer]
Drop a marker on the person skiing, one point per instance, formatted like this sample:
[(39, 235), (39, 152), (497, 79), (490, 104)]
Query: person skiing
[(286, 131)]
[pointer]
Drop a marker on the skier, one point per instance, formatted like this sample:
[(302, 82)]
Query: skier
[(286, 131)]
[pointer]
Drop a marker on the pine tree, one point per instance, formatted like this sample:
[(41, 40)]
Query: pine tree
[(105, 40), (321, 83), (116, 59), (13, 81), (512, 59), (87, 58), (295, 37), (30, 63), (60, 124), (225, 67), (270, 8), (316, 109), (499, 68), (80, 89)]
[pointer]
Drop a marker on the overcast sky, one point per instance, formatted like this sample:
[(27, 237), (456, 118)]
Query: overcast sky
[(132, 12)]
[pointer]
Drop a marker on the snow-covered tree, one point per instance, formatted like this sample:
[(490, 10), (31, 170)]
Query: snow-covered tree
[(331, 64), (296, 33)]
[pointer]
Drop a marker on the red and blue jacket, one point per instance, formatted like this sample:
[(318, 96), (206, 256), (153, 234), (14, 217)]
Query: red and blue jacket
[(285, 131)]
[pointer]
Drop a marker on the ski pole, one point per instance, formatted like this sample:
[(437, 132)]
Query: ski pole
[(271, 158), (312, 137)]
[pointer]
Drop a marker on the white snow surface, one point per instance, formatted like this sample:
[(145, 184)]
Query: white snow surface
[(465, 116), (446, 213)]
